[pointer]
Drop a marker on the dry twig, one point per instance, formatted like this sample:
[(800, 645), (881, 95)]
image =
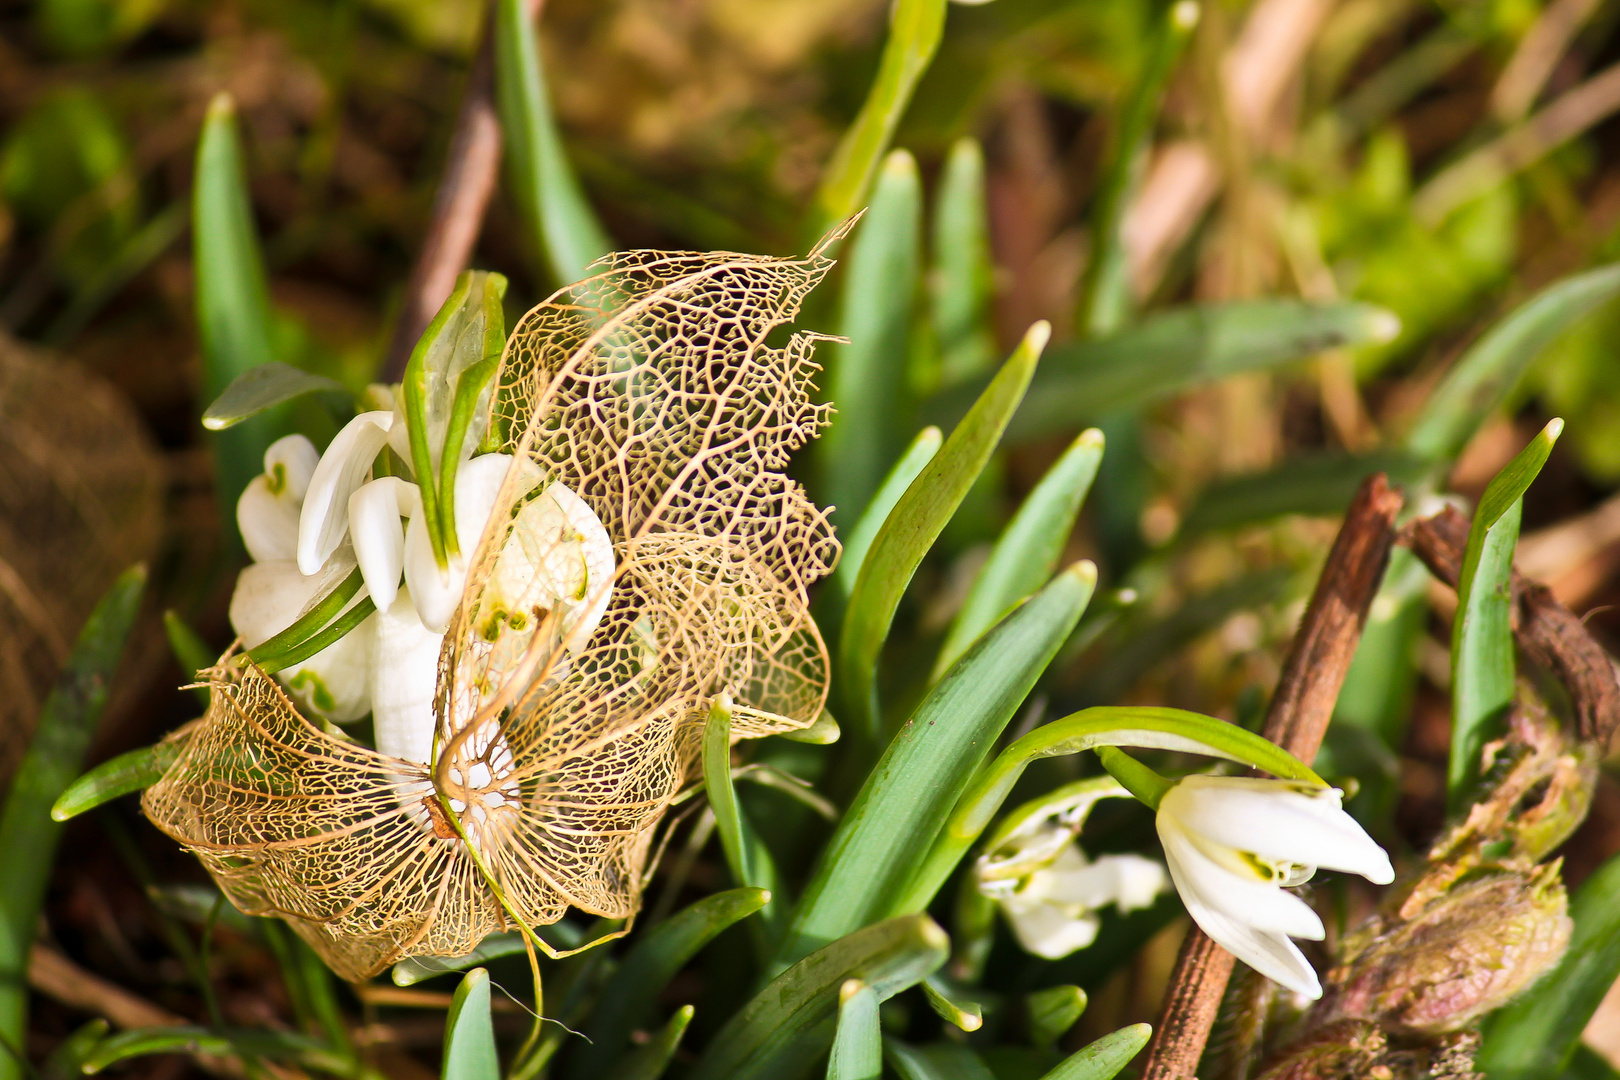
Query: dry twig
[(1297, 719)]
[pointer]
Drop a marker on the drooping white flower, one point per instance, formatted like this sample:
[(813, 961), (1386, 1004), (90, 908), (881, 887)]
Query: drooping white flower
[(343, 468), (378, 533), (1053, 911), (1234, 844), (405, 663), (267, 512)]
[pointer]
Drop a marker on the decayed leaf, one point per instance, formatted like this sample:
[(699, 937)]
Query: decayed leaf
[(648, 391), (81, 498)]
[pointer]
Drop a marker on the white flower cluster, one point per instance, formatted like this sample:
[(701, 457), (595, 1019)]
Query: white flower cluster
[(311, 519)]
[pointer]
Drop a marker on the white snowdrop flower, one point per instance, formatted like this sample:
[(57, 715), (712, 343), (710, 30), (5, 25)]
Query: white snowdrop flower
[(1053, 911), (1234, 844), (405, 663), (267, 512), (378, 533), (343, 468), (437, 589), (559, 555), (269, 597)]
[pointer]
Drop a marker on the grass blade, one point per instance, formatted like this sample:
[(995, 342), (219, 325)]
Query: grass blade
[(857, 1050), (915, 27), (1081, 382), (469, 1033), (1105, 293), (872, 856), (916, 522), (544, 186), (950, 1006), (1053, 1011), (1479, 382), (202, 1042), (650, 1061), (1482, 665), (938, 1061), (858, 541), (116, 777), (868, 380), (191, 652), (1105, 1058), (960, 279), (746, 857), (67, 1060), (789, 1024), (233, 301), (1538, 1034), (1029, 548), (1319, 485), (628, 999), (28, 836)]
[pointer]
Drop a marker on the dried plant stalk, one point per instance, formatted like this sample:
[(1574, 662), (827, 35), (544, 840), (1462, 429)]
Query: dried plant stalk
[(648, 391)]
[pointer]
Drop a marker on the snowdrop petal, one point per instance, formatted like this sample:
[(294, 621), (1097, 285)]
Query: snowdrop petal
[(1268, 952), (378, 533), (290, 462), (1244, 899), (478, 482), (269, 597), (1279, 821), (343, 468), (1127, 881), (268, 522), (405, 660), (436, 591), (1047, 930)]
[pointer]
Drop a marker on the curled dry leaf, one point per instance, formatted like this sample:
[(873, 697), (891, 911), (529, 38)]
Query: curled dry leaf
[(648, 391), (81, 499)]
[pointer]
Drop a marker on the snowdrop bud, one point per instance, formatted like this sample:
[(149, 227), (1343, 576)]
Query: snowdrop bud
[(405, 659), (1053, 911), (1234, 843), (437, 590), (343, 468), (267, 512), (269, 597), (378, 534)]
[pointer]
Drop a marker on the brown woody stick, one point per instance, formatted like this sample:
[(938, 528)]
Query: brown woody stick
[(1548, 632), (1297, 719), (470, 172)]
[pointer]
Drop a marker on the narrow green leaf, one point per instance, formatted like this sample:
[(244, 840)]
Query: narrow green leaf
[(1479, 382), (1082, 382), (543, 183), (244, 1043), (960, 280), (857, 1049), (627, 1000), (1588, 1064), (788, 1025), (858, 541), (233, 301), (1105, 292), (132, 257), (28, 836), (872, 856), (867, 382), (261, 388), (67, 1060), (1482, 665), (823, 732), (191, 652), (1106, 725), (649, 1062), (1105, 1058), (938, 1061), (469, 1033), (1028, 549), (116, 777), (1317, 485), (915, 28), (1537, 1035), (916, 522), (746, 857), (1053, 1011), (951, 1006)]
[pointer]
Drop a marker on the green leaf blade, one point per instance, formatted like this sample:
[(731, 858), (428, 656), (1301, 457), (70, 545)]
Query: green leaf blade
[(1029, 548), (874, 855), (469, 1032), (261, 388), (857, 1050), (650, 1061), (116, 777), (858, 541), (916, 522), (1106, 1058), (786, 1027)]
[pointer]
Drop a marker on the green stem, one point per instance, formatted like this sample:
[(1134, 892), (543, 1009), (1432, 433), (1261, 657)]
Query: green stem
[(414, 389), (311, 621), (311, 646), (1148, 786)]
